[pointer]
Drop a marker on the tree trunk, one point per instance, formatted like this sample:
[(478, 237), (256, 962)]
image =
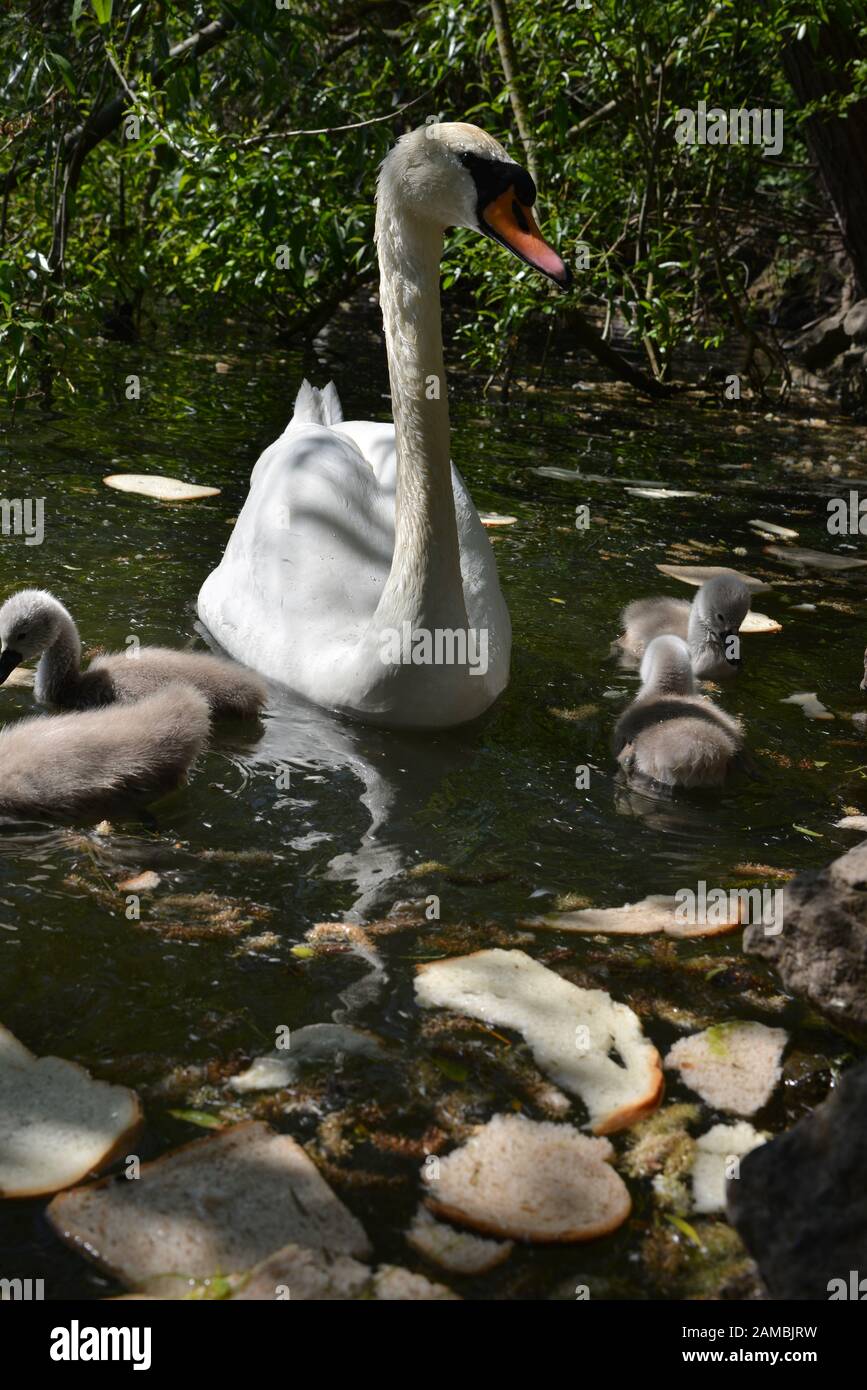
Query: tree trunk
[(837, 145)]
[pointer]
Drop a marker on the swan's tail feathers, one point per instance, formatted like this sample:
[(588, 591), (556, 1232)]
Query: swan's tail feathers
[(332, 410), (315, 407)]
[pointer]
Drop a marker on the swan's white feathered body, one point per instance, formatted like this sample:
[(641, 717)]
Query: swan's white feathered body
[(296, 592), (359, 573)]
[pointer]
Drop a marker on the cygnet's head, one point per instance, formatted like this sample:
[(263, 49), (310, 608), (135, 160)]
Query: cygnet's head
[(30, 621), (455, 175), (666, 668), (718, 611)]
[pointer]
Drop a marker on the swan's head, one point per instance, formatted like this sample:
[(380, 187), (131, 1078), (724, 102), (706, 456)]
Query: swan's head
[(718, 612), (666, 667), (30, 621), (454, 175)]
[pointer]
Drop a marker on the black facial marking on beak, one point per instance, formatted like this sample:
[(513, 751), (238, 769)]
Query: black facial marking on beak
[(8, 661), (493, 176), (505, 194)]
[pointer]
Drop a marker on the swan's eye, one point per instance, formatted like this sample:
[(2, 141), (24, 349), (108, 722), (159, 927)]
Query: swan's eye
[(21, 636)]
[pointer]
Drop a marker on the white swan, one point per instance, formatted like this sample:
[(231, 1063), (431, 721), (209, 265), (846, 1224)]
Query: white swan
[(358, 572)]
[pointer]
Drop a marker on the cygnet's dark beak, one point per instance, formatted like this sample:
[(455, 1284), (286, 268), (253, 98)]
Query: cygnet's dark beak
[(9, 659)]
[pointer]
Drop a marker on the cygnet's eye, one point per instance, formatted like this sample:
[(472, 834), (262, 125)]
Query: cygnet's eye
[(720, 617), (20, 636)]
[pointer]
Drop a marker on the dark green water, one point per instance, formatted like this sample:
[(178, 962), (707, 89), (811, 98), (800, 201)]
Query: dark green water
[(496, 803)]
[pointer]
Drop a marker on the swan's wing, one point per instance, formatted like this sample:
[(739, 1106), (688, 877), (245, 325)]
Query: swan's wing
[(374, 440), (307, 558)]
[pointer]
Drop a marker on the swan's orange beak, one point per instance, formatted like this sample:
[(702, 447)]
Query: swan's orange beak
[(512, 223)]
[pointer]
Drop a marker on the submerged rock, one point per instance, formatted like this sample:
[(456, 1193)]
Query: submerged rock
[(315, 1045), (821, 953), (800, 1202)]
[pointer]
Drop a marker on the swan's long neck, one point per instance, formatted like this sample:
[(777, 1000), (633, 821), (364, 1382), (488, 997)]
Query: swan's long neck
[(424, 585), (58, 675)]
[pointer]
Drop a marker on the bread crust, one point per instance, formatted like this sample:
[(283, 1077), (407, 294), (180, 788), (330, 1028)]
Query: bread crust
[(115, 1150)]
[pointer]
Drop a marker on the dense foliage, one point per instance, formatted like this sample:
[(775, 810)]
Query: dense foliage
[(220, 160)]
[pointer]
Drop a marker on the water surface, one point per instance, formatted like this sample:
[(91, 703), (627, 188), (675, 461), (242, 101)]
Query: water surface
[(492, 809)]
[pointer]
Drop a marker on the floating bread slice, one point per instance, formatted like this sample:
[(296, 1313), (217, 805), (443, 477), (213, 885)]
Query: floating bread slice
[(156, 486), (496, 519), (732, 1066), (759, 624), (654, 914), (298, 1274), (570, 1031), (519, 1179), (700, 574), (814, 559), (392, 1283), (810, 704), (662, 493), (458, 1252), (57, 1125), (218, 1205), (852, 823), (770, 528), (713, 1154)]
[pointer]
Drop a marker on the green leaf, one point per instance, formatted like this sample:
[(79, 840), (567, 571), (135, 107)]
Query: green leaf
[(814, 834), (198, 1117), (685, 1229), (453, 1070), (102, 9), (64, 67)]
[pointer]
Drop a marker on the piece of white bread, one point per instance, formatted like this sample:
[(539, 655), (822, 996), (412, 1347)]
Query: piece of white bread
[(458, 1252), (700, 574), (214, 1207), (394, 1284), (759, 624), (712, 1164), (57, 1125), (299, 1274), (656, 913), (732, 1066), (520, 1179), (570, 1031)]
